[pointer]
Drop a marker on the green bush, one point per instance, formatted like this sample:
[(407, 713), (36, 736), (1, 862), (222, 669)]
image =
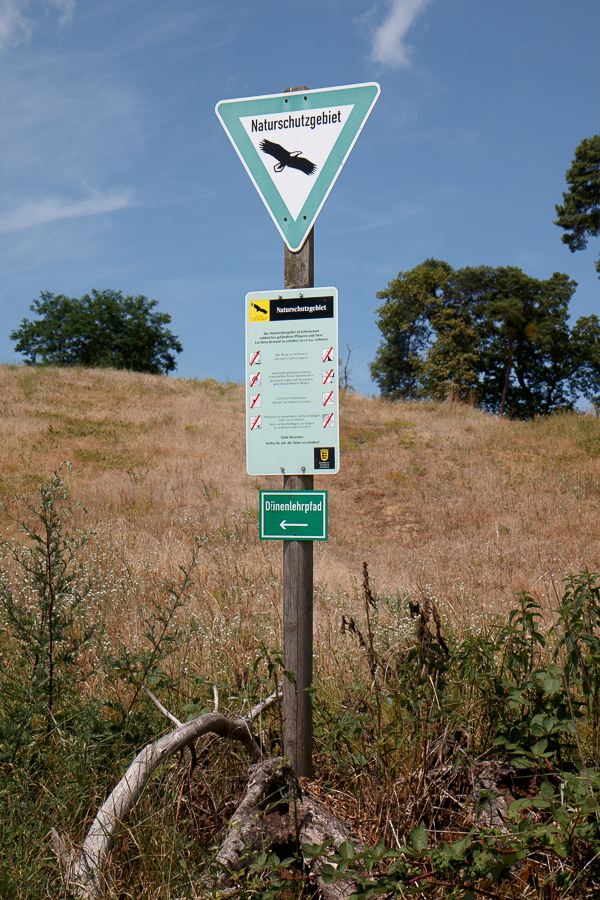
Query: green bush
[(431, 713)]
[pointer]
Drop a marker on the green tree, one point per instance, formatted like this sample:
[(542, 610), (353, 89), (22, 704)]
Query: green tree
[(493, 334), (579, 215), (530, 357), (104, 329), (405, 323)]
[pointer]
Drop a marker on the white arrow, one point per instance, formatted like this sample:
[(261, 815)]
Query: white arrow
[(285, 525)]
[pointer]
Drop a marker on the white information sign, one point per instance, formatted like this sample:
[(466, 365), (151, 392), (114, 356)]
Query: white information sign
[(292, 387)]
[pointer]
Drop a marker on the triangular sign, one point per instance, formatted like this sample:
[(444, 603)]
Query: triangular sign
[(294, 145)]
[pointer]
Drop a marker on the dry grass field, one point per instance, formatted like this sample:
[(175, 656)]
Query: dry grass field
[(437, 498), (443, 502)]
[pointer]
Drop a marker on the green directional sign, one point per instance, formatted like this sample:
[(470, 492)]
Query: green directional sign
[(293, 515), (294, 145)]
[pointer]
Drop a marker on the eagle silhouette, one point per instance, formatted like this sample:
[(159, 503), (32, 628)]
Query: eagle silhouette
[(284, 158)]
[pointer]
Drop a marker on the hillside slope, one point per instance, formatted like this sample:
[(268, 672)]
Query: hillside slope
[(435, 497)]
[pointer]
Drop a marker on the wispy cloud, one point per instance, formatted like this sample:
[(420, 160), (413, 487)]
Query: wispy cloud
[(389, 47), (16, 24), (51, 209)]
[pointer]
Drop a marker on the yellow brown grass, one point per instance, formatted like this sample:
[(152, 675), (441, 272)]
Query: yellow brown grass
[(439, 498)]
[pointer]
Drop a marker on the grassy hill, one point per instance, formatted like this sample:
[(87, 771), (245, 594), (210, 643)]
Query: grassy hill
[(436, 497), (422, 721)]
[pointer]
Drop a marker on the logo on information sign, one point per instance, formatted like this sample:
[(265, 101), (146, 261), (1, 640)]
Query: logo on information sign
[(324, 457), (294, 145), (258, 313)]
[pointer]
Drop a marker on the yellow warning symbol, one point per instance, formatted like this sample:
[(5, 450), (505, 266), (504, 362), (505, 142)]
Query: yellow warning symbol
[(259, 311)]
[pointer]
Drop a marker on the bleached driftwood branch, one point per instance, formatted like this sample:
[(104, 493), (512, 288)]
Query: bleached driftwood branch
[(83, 869), (160, 707)]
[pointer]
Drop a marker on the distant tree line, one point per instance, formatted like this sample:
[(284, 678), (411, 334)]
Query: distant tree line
[(496, 335), (104, 329)]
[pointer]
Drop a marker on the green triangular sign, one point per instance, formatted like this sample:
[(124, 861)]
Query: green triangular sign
[(294, 146)]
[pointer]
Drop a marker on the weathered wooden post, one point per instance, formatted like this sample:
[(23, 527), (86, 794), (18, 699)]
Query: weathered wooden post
[(298, 582)]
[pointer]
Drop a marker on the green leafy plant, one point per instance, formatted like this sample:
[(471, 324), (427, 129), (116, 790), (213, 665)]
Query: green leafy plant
[(485, 760), (45, 616)]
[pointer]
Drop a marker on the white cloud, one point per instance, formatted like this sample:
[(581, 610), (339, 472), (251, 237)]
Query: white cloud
[(388, 39), (16, 26), (51, 209)]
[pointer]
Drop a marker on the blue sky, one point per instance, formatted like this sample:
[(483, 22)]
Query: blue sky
[(118, 174)]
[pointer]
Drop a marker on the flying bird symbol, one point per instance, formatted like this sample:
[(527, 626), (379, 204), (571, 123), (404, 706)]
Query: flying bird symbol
[(259, 308), (284, 158)]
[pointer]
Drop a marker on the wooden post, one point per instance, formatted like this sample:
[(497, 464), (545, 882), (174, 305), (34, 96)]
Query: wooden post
[(299, 268), (298, 643), (298, 585), (298, 579)]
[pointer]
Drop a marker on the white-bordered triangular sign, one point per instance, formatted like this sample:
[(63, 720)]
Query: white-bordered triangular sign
[(294, 145)]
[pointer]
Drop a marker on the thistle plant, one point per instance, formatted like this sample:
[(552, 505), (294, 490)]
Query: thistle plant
[(43, 589)]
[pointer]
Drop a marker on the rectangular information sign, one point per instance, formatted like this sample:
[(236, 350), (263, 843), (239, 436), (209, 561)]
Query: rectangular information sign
[(293, 515), (292, 389)]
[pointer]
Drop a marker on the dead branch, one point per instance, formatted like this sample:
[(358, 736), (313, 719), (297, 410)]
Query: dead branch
[(275, 811), (160, 707), (83, 869)]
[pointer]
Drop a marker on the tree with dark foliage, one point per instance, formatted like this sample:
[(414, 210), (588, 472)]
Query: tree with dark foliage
[(104, 330), (579, 215), (493, 335)]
